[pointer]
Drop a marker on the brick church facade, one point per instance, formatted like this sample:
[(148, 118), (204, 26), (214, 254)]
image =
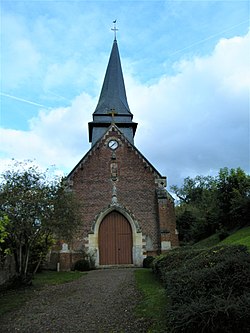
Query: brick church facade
[(127, 213)]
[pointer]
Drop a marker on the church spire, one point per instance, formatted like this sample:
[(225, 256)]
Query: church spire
[(113, 93), (112, 106)]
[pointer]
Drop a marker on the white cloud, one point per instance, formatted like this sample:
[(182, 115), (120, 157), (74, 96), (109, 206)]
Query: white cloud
[(198, 120), (58, 74), (193, 122), (20, 56), (56, 137)]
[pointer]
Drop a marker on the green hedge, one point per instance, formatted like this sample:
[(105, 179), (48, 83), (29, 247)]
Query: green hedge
[(82, 265), (208, 290), (173, 260), (147, 262)]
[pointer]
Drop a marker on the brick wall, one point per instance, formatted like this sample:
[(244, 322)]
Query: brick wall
[(66, 260), (135, 185), (93, 180)]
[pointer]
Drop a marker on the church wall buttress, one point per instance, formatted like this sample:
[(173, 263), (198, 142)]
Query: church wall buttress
[(167, 220)]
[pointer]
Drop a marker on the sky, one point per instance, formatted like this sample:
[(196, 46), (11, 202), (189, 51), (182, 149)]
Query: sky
[(186, 69)]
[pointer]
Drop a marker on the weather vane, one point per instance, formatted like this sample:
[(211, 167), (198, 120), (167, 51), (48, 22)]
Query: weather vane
[(114, 29)]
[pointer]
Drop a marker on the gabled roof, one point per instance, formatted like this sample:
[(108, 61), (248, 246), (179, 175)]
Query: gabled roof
[(93, 148), (113, 94)]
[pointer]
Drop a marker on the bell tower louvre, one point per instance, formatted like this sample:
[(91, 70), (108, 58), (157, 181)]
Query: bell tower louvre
[(127, 214)]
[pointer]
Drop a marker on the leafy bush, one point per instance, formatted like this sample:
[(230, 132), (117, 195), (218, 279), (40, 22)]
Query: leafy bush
[(208, 292), (147, 262), (173, 260), (223, 234), (82, 265), (91, 257), (210, 315)]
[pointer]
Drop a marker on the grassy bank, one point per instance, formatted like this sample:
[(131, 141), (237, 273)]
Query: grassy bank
[(53, 278), (13, 299), (240, 237), (153, 304)]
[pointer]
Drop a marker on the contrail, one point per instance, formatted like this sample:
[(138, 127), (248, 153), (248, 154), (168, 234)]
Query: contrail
[(208, 38), (24, 100), (61, 97)]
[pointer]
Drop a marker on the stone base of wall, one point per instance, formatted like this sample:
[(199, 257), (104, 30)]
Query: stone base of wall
[(65, 259), (62, 261)]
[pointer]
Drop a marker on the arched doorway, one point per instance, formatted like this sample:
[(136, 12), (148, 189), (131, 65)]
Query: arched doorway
[(115, 240)]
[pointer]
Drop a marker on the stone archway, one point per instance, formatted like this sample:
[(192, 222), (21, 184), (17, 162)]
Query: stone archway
[(115, 240), (138, 241)]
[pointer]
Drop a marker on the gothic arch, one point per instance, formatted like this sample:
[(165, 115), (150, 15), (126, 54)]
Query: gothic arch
[(137, 239), (133, 223)]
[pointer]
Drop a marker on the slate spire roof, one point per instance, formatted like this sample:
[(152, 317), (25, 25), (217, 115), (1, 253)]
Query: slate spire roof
[(112, 106), (113, 94)]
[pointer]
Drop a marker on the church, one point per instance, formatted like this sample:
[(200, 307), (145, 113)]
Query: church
[(127, 213)]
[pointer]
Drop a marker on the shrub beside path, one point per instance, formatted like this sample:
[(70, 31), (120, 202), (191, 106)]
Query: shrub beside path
[(101, 301)]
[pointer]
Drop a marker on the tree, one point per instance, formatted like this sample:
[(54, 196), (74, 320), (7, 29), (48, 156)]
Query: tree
[(207, 204), (3, 236), (38, 209), (234, 197), (197, 211)]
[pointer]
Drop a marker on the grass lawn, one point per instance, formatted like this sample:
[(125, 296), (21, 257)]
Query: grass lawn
[(52, 278), (13, 299), (154, 302), (241, 236), (207, 242)]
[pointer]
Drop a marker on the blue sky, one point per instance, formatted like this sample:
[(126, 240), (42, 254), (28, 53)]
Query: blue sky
[(186, 69)]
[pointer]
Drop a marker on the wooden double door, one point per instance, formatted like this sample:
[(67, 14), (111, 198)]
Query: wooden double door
[(115, 240)]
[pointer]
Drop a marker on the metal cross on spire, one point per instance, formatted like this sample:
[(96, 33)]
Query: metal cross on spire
[(114, 29), (112, 113)]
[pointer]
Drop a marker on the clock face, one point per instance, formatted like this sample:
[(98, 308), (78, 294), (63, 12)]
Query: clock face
[(113, 144)]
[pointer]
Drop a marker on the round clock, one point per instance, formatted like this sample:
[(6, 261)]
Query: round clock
[(113, 144)]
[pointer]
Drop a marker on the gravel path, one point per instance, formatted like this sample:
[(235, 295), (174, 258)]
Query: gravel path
[(101, 301)]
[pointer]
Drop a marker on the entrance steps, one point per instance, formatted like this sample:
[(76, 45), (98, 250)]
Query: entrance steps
[(116, 266)]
